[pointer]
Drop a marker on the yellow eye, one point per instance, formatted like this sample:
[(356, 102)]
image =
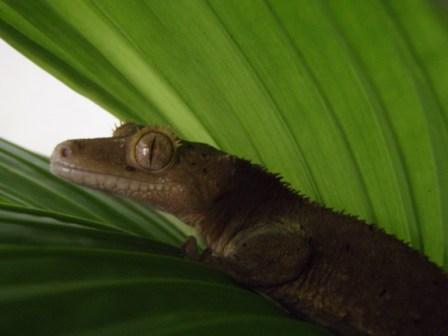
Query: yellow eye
[(154, 151)]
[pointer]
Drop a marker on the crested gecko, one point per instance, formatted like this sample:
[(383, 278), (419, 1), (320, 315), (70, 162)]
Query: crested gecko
[(318, 263)]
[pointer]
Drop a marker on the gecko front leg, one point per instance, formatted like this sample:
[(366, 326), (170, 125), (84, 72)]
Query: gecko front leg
[(189, 248), (261, 256)]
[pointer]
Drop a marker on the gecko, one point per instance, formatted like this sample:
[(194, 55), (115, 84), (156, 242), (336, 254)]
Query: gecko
[(320, 264)]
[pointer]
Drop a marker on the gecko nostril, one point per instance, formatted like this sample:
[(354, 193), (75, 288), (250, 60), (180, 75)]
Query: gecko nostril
[(65, 152)]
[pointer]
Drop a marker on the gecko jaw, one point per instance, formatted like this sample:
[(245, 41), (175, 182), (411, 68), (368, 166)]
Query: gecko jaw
[(110, 182)]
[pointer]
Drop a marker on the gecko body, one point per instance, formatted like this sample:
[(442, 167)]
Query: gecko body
[(319, 264)]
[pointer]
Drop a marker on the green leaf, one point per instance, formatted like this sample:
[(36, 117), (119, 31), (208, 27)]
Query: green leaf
[(66, 277), (346, 100), (22, 226)]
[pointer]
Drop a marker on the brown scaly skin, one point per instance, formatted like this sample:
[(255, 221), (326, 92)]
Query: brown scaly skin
[(319, 264)]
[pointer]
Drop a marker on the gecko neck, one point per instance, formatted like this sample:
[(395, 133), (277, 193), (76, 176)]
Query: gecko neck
[(255, 196)]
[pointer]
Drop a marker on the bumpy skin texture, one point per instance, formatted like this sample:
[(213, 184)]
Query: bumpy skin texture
[(319, 264)]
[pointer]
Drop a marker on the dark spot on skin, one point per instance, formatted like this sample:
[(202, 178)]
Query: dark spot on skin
[(129, 168), (347, 247), (204, 155), (204, 171), (382, 293)]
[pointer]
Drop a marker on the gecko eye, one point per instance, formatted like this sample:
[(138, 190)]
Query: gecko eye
[(154, 151)]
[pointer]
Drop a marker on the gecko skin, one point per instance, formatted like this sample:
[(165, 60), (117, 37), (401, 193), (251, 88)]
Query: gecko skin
[(319, 264)]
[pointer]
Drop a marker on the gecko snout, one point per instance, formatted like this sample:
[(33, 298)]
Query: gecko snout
[(63, 150), (68, 152), (61, 156)]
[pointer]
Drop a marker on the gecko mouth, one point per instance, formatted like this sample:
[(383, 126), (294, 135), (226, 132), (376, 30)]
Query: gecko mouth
[(111, 183)]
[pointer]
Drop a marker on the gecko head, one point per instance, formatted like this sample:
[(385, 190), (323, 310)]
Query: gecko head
[(150, 164)]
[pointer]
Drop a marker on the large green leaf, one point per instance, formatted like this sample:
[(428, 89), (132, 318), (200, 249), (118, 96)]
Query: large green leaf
[(62, 276), (346, 99)]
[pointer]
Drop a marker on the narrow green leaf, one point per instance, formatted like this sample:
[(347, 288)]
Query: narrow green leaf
[(41, 229), (81, 291), (209, 324)]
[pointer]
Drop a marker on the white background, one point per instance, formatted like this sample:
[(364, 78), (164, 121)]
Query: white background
[(37, 111)]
